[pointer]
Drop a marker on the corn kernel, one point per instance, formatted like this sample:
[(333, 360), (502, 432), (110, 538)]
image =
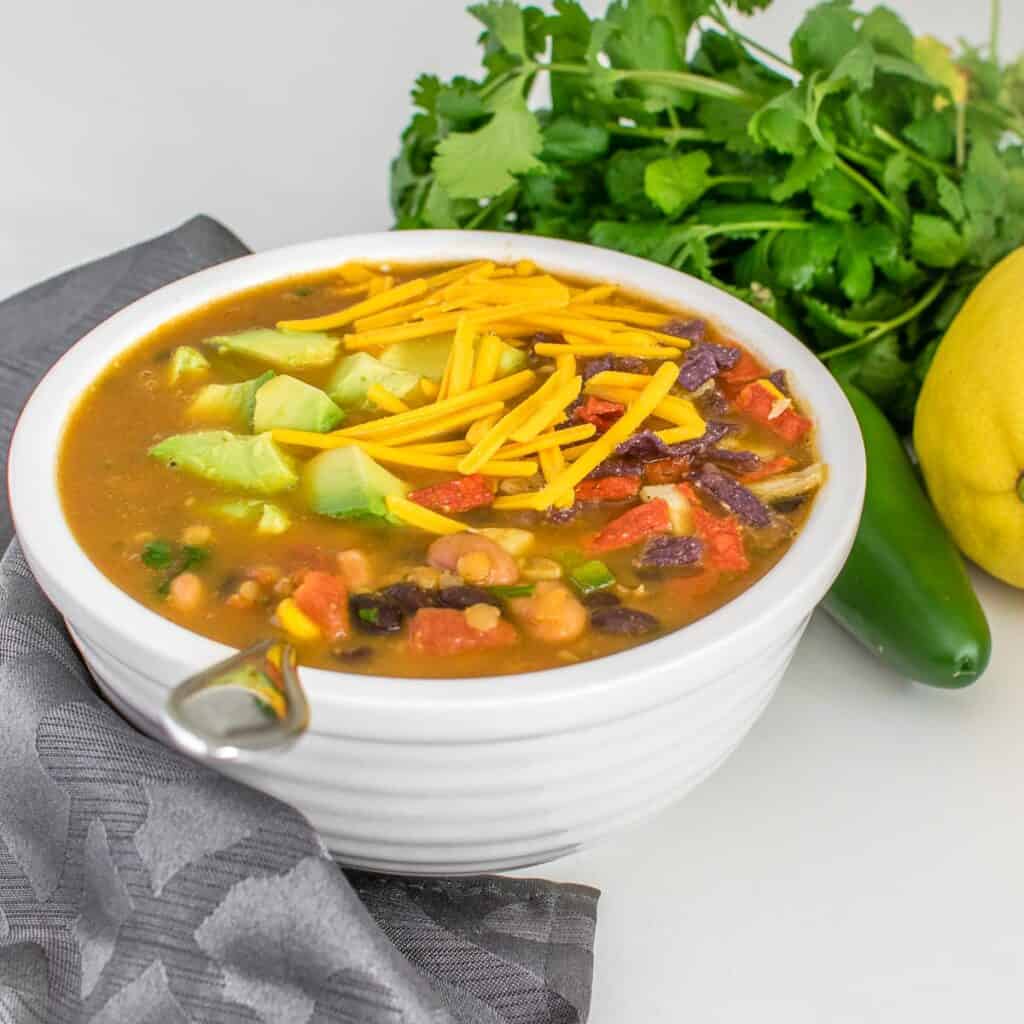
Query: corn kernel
[(482, 617), (295, 622)]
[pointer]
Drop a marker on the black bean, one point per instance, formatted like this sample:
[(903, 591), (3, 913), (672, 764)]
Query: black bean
[(410, 597), (623, 621), (375, 614), (466, 596), (600, 599)]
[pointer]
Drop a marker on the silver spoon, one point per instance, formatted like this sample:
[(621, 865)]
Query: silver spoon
[(250, 704)]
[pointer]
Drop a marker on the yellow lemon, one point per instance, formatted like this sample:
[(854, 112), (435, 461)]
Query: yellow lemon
[(969, 425)]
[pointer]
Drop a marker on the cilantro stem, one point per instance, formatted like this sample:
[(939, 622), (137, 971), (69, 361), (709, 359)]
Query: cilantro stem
[(743, 227), (669, 135), (995, 23), (684, 80), (723, 23), (919, 158), (857, 157), (872, 190), (887, 327)]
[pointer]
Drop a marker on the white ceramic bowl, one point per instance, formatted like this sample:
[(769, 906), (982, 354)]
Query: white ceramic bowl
[(458, 776)]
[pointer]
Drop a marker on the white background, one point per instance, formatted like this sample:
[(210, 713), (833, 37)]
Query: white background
[(860, 859)]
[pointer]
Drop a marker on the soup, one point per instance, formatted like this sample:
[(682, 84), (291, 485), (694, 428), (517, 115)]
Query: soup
[(438, 471)]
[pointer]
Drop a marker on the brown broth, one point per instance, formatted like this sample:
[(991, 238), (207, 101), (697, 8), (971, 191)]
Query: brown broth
[(116, 496)]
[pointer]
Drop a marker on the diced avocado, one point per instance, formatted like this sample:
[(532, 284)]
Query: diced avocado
[(248, 463), (591, 576), (228, 404), (357, 373), (347, 484), (288, 350), (274, 519), (428, 358), (185, 362), (269, 518), (424, 358), (291, 403), (511, 360)]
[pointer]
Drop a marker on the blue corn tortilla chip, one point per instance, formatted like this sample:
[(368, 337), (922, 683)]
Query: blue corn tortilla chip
[(733, 495), (691, 330), (617, 466), (778, 378), (705, 361), (646, 446), (670, 552), (742, 461)]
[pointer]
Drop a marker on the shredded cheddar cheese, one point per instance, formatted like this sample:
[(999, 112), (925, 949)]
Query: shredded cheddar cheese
[(416, 515), (387, 298), (383, 399)]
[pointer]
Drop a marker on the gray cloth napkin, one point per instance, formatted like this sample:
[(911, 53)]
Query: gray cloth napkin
[(139, 887)]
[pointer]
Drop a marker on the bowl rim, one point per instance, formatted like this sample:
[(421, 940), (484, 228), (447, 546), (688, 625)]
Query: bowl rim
[(786, 594)]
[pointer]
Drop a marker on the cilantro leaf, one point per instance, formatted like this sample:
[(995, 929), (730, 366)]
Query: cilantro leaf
[(157, 554), (801, 258), (950, 199), (483, 163), (504, 27), (888, 32), (572, 140), (781, 124), (802, 173), (676, 182), (827, 33), (936, 242)]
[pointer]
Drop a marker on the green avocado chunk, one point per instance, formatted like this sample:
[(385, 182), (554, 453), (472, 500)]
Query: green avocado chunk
[(290, 403), (186, 361), (287, 350), (271, 518), (428, 357), (347, 484), (230, 405), (357, 373), (424, 358), (254, 464)]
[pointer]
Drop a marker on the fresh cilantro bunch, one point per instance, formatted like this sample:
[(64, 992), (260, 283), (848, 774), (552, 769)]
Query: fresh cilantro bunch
[(855, 191)]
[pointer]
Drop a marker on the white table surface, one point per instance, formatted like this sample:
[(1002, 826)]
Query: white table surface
[(861, 858)]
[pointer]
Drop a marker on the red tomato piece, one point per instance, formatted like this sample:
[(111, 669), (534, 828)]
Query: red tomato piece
[(632, 527), (609, 488), (602, 414), (791, 426), (324, 598), (757, 402), (723, 541), (747, 369), (458, 495), (770, 468), (667, 471), (444, 631)]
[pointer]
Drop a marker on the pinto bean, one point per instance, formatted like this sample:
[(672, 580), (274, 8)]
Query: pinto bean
[(478, 559), (186, 592), (552, 614)]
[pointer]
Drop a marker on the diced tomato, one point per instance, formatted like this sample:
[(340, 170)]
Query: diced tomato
[(791, 426), (632, 527), (609, 488), (444, 631), (771, 468), (458, 495), (324, 598), (690, 588), (667, 471), (723, 541), (602, 414), (757, 401), (746, 370)]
